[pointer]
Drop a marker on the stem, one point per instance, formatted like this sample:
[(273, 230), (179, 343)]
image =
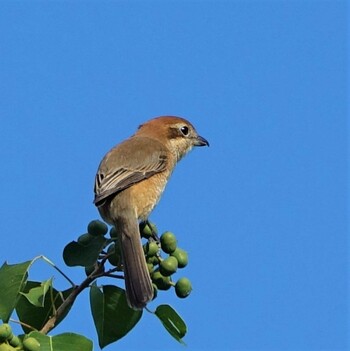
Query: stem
[(57, 269), (77, 289), (111, 275), (148, 310), (53, 300), (67, 302), (22, 323)]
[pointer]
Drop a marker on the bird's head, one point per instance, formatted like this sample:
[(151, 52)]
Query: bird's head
[(176, 133)]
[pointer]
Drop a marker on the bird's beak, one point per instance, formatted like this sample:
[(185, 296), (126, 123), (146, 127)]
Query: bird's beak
[(200, 141)]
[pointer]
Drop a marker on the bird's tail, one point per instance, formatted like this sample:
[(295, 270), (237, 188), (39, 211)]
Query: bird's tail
[(138, 284)]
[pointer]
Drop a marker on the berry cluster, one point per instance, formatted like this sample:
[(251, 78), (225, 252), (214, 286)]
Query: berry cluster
[(11, 342), (161, 269)]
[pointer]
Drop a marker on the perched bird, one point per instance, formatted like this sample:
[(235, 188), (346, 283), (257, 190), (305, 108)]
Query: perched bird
[(129, 183)]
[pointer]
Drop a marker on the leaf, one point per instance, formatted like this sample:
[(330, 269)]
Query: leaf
[(37, 295), (12, 279), (172, 322), (62, 342), (112, 316), (77, 254), (38, 316)]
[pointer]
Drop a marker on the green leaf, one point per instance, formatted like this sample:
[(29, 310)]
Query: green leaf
[(112, 316), (78, 254), (172, 322), (36, 296), (62, 342), (12, 279), (38, 316)]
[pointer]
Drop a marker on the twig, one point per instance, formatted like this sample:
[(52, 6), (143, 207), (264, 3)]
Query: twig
[(22, 323), (57, 269), (111, 275), (77, 289)]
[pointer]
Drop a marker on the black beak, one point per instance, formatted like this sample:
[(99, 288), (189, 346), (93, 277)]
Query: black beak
[(200, 141)]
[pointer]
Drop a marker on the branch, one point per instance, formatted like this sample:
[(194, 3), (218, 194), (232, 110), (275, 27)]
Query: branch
[(68, 302), (57, 269), (23, 324)]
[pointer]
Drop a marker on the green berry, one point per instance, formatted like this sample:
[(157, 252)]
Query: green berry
[(85, 239), (113, 233), (168, 242), (5, 332), (168, 266), (183, 287), (97, 228), (181, 256), (153, 227), (145, 230), (152, 248), (114, 254), (161, 282), (153, 259), (7, 347), (31, 344), (15, 341), (150, 267), (148, 229)]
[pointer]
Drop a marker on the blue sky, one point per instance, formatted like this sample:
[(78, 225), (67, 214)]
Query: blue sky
[(262, 212)]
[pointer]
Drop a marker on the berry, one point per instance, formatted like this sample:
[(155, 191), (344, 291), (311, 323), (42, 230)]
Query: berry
[(85, 239), (168, 242), (113, 233), (148, 229), (114, 254), (168, 266), (31, 344), (153, 259), (150, 267), (161, 282), (181, 256), (151, 248), (5, 332), (183, 287), (7, 347), (15, 341), (97, 228)]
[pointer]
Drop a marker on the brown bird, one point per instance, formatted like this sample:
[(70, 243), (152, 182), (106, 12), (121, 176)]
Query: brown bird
[(128, 185)]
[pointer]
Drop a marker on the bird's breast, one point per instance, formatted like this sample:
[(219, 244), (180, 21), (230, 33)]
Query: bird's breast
[(147, 193)]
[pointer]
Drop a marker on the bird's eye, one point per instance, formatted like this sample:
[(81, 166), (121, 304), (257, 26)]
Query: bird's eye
[(184, 130)]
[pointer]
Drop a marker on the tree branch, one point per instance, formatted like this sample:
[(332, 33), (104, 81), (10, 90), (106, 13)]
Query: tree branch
[(68, 302)]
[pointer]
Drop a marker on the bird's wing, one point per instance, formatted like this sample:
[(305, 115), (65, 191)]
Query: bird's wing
[(130, 162)]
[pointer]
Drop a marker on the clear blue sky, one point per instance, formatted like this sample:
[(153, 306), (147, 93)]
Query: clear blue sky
[(262, 212)]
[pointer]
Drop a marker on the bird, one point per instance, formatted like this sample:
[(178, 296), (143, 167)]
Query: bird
[(128, 185)]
